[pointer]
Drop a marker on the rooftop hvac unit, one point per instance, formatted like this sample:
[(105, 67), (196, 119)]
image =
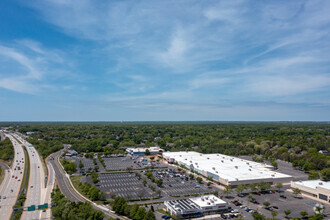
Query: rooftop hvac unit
[(247, 163), (236, 167), (208, 158), (236, 179), (320, 183), (180, 155), (203, 199), (213, 168), (218, 155), (250, 170), (206, 197), (216, 171), (221, 161), (209, 203), (185, 159), (273, 175)]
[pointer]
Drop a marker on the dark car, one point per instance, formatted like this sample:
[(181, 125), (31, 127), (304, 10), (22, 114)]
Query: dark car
[(241, 195), (283, 196), (223, 216), (275, 207), (269, 208)]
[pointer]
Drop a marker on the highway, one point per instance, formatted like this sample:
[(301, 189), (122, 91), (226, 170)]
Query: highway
[(10, 186), (36, 188)]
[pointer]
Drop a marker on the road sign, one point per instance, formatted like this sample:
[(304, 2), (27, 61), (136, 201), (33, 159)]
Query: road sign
[(42, 207), (31, 208)]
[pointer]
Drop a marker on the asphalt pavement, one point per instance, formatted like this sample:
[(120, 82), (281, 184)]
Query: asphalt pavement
[(36, 188), (69, 192), (10, 186)]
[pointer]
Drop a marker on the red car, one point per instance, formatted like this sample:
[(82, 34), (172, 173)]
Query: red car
[(12, 176)]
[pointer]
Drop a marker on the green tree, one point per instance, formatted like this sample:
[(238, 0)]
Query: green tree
[(147, 152), (274, 213), (134, 210), (81, 165), (252, 187), (258, 216), (313, 175), (274, 164), (199, 180), (287, 213), (325, 174), (279, 186), (316, 217), (266, 203), (240, 188), (159, 182), (304, 214), (227, 190), (150, 215), (140, 214), (296, 191)]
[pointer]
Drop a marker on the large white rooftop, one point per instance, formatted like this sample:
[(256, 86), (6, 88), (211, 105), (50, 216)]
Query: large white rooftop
[(226, 167), (314, 183)]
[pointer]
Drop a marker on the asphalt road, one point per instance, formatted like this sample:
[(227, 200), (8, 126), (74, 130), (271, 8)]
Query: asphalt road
[(11, 185), (36, 188), (68, 191)]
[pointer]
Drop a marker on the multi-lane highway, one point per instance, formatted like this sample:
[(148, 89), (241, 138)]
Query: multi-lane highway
[(10, 186), (36, 188), (37, 192)]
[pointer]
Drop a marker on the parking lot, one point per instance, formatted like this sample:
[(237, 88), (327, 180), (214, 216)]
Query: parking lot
[(122, 184), (277, 203), (88, 163), (286, 168), (122, 163), (178, 183)]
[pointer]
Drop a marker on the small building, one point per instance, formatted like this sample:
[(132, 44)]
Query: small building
[(71, 153), (195, 207), (210, 204), (315, 189), (142, 151), (184, 208), (324, 152)]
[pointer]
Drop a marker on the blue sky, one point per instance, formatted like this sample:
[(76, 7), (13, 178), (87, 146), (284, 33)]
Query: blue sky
[(84, 60)]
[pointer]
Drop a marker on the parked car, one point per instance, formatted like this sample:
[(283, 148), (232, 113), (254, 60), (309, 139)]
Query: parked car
[(274, 207), (283, 196), (269, 208)]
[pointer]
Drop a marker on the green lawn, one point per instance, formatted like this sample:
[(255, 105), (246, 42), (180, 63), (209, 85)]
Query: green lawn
[(2, 174)]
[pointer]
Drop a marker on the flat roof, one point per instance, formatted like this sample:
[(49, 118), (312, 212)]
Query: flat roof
[(314, 183), (226, 167), (208, 200), (140, 149)]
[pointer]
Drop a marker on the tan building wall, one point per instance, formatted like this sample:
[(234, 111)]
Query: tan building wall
[(313, 193)]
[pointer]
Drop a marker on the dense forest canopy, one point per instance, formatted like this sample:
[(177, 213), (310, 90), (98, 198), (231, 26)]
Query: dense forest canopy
[(296, 142), (6, 150)]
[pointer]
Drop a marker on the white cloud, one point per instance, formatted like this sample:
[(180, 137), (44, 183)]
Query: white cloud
[(271, 86)]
